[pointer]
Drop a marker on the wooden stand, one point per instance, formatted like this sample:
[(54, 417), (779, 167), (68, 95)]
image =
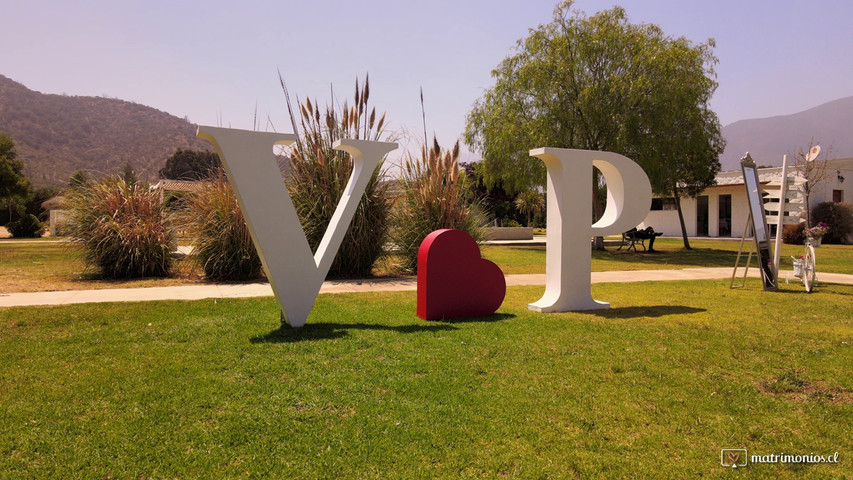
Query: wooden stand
[(746, 231)]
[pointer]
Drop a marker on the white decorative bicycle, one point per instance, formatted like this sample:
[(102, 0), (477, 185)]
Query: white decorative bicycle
[(805, 267)]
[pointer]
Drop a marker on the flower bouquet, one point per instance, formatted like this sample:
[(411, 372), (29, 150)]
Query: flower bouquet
[(816, 233)]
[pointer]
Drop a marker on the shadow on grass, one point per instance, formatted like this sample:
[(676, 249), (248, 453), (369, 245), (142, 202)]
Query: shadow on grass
[(801, 290), (667, 254), (326, 331), (657, 311), (495, 317)]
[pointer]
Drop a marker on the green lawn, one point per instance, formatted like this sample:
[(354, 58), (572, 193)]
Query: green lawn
[(55, 265), (51, 265), (672, 255), (652, 388)]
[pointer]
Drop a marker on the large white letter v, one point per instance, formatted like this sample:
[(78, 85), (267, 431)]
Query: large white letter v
[(294, 273)]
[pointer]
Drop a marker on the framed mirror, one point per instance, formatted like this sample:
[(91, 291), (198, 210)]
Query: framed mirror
[(761, 233)]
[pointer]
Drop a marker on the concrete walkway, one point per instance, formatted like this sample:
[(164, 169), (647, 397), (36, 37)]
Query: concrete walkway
[(198, 292)]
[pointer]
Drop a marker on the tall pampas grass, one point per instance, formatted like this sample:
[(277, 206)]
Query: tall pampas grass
[(124, 229), (222, 244), (320, 173), (433, 196)]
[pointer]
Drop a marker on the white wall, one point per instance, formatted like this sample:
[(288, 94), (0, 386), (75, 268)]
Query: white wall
[(666, 221)]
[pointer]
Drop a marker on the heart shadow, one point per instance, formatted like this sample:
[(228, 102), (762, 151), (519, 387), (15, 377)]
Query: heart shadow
[(652, 311), (495, 317)]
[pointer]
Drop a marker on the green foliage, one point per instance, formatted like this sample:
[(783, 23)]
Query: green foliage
[(320, 173), (35, 199), (79, 179), (512, 224), (434, 196), (495, 202), (27, 226), (838, 218), (601, 83), (124, 229), (529, 202), (222, 243), (14, 185), (794, 234), (191, 165)]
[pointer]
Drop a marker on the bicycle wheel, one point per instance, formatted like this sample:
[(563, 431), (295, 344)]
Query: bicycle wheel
[(809, 268)]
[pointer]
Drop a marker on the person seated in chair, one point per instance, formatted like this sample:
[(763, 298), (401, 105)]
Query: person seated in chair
[(649, 234)]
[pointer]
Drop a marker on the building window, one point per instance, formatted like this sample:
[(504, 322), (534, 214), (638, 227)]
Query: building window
[(663, 203), (838, 196)]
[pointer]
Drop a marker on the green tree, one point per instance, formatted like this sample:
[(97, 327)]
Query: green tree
[(79, 179), (601, 83), (15, 187), (529, 202), (496, 202), (191, 164)]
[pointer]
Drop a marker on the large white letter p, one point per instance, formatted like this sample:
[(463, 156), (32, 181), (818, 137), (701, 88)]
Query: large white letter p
[(568, 250)]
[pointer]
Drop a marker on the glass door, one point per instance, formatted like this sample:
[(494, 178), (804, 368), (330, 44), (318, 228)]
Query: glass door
[(725, 215), (702, 216)]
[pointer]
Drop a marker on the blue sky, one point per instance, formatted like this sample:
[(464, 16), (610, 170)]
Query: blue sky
[(214, 61)]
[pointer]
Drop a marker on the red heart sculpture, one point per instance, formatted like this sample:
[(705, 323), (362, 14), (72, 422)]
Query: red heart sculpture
[(454, 280)]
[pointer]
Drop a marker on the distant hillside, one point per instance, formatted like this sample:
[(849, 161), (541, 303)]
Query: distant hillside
[(56, 135), (768, 139)]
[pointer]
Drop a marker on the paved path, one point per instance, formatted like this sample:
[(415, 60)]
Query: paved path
[(197, 292)]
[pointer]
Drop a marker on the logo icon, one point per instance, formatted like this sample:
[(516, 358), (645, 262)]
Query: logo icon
[(733, 457)]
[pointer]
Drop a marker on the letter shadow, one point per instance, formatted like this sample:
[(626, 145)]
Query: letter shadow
[(327, 331), (655, 311)]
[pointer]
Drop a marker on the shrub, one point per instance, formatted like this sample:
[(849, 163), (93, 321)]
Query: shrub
[(124, 229), (222, 244), (27, 226), (320, 173), (838, 218), (511, 224), (794, 234), (434, 196)]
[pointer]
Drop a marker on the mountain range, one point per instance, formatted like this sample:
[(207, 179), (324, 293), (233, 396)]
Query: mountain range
[(767, 139), (57, 135)]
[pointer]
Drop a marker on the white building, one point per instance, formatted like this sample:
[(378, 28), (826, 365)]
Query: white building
[(722, 210)]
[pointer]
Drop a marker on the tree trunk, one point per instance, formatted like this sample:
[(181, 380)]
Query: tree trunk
[(597, 212), (528, 218), (681, 219), (808, 209)]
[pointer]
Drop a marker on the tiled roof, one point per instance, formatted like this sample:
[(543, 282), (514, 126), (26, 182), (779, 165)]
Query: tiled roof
[(773, 176), (765, 175), (179, 185)]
